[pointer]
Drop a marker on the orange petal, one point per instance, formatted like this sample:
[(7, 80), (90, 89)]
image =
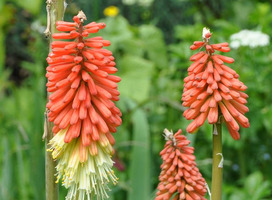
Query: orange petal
[(223, 88), (216, 75), (197, 56), (191, 127), (87, 126), (75, 116), (241, 119), (203, 59), (225, 58), (213, 115), (225, 96), (95, 134), (234, 134), (240, 107), (231, 109), (82, 111), (93, 115), (82, 92), (61, 115), (205, 106), (226, 82), (234, 94), (210, 67), (66, 120), (191, 114), (201, 118), (212, 103), (228, 75), (217, 96), (69, 96), (225, 112), (102, 108), (205, 74), (217, 60), (219, 69), (210, 79)]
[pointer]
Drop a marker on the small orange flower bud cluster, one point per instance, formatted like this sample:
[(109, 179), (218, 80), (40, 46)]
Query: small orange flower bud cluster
[(180, 177), (212, 88), (81, 85)]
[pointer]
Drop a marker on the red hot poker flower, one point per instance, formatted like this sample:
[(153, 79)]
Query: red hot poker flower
[(179, 171), (81, 83), (81, 106), (212, 88)]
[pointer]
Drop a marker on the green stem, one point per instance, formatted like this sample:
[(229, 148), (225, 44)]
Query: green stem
[(55, 11), (52, 188), (217, 170)]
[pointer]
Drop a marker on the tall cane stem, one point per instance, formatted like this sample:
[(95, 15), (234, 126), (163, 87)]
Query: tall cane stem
[(55, 11), (217, 168)]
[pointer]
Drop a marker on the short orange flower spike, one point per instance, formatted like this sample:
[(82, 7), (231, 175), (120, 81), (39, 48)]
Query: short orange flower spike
[(80, 82), (212, 88), (180, 177)]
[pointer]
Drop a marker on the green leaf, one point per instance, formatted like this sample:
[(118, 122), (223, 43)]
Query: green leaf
[(154, 44), (189, 33), (136, 76), (31, 6), (256, 187), (117, 31), (253, 182), (238, 195), (262, 191), (6, 176), (140, 159), (21, 177)]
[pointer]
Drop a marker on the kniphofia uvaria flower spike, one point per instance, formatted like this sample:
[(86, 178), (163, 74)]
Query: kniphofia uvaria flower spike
[(81, 106), (212, 88), (179, 177)]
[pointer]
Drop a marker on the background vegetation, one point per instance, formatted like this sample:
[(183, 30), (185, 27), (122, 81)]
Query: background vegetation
[(150, 40)]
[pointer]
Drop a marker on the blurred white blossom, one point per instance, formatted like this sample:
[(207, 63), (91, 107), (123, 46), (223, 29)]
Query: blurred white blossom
[(140, 2), (249, 38)]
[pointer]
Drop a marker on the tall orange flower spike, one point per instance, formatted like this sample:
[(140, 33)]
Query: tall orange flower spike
[(180, 177), (82, 90), (212, 88)]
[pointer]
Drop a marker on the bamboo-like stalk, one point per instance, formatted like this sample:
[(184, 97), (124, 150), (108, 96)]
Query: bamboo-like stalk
[(55, 11), (217, 167)]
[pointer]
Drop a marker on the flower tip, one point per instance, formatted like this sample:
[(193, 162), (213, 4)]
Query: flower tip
[(80, 17), (206, 34), (169, 135)]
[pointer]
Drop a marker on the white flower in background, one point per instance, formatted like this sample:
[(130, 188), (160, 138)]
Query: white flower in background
[(140, 2), (249, 38), (129, 2)]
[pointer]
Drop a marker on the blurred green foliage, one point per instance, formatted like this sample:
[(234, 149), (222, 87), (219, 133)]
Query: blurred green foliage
[(151, 46)]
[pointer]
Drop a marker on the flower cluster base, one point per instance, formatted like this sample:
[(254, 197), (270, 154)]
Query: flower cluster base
[(85, 171)]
